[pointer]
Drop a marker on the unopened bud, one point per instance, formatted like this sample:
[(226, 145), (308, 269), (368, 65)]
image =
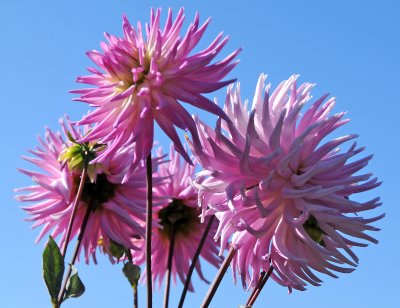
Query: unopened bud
[(314, 231), (79, 155)]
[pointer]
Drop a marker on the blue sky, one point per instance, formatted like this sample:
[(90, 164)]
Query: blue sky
[(349, 48)]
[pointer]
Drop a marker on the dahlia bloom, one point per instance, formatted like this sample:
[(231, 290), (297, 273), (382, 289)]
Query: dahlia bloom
[(142, 78), (117, 209), (284, 194), (178, 212)]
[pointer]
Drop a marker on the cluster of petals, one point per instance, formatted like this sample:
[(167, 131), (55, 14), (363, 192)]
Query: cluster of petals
[(117, 210), (188, 228), (283, 193), (141, 79)]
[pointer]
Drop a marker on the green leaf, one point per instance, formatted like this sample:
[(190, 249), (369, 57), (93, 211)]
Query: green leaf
[(53, 268), (75, 286), (132, 272)]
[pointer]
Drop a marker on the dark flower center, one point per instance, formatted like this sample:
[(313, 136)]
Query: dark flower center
[(314, 231), (178, 217), (97, 193)]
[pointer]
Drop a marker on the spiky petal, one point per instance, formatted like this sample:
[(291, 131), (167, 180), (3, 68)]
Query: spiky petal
[(283, 193), (178, 210), (117, 209), (142, 78)]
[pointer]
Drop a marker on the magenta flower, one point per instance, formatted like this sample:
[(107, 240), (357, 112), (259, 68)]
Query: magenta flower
[(283, 193), (178, 214), (117, 209), (141, 79)]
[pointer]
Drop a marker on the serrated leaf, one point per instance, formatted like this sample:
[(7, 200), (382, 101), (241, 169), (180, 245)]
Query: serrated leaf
[(53, 268), (75, 286), (132, 273)]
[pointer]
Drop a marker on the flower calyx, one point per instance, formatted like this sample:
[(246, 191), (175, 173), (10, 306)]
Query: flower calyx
[(314, 231), (79, 155)]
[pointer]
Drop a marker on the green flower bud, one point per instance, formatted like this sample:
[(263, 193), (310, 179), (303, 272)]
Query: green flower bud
[(78, 156), (314, 231), (116, 249)]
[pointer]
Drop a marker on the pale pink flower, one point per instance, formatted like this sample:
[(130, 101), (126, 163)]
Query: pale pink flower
[(141, 79), (284, 193), (117, 209), (179, 210)]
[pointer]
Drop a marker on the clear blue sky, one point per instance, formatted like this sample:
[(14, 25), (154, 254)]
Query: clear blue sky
[(349, 48)]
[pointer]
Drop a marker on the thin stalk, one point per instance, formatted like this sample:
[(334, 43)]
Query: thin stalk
[(74, 209), (75, 253), (135, 288), (169, 265), (217, 280), (135, 297), (261, 286), (256, 287), (194, 260), (149, 216)]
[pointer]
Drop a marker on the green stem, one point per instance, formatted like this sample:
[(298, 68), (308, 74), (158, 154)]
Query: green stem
[(135, 288), (55, 304)]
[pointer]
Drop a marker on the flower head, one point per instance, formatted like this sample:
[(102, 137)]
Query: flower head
[(117, 210), (283, 193), (178, 217), (142, 78)]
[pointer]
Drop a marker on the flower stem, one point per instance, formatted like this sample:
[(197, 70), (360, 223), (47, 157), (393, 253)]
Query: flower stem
[(56, 305), (135, 288), (74, 209), (135, 297), (75, 253), (149, 216), (194, 260), (256, 287), (217, 280), (257, 291), (169, 265)]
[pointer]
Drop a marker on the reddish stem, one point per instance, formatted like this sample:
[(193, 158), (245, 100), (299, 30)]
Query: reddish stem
[(256, 287), (169, 265), (149, 216), (218, 278), (261, 286), (74, 209), (75, 254), (194, 260)]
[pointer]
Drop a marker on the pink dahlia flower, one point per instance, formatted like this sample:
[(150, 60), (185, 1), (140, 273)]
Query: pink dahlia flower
[(141, 79), (178, 213), (117, 209), (284, 193)]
